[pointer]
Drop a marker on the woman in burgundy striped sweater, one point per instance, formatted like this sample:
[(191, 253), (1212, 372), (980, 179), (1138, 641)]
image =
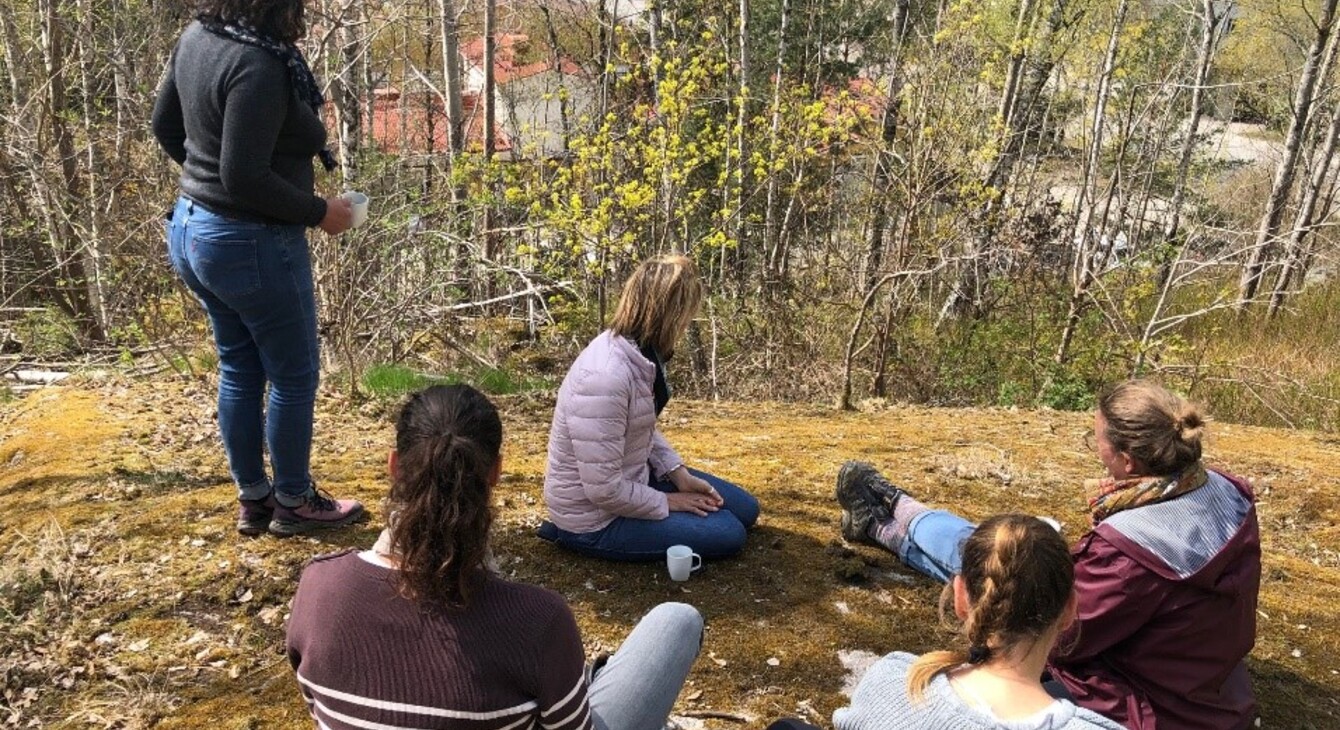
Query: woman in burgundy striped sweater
[(420, 633)]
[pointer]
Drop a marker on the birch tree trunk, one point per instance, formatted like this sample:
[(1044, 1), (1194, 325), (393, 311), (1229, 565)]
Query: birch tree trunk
[(451, 74), (1089, 257), (774, 127), (556, 57), (1282, 185), (1307, 219), (1209, 40), (490, 118), (743, 170), (884, 156)]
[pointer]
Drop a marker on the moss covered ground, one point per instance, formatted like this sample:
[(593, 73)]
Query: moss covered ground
[(126, 599)]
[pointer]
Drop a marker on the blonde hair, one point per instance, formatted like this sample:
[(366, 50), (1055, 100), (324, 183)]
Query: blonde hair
[(658, 302), (1157, 428), (1019, 576)]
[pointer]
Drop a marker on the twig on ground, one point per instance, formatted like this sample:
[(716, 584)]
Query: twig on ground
[(714, 715)]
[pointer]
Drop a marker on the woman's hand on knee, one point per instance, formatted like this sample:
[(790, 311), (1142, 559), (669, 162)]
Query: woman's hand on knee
[(698, 504), (686, 482)]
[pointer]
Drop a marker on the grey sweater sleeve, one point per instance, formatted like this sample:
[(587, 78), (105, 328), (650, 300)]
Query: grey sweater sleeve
[(169, 125), (256, 102)]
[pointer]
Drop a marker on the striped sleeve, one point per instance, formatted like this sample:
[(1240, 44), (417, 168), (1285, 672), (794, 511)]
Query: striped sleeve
[(563, 700)]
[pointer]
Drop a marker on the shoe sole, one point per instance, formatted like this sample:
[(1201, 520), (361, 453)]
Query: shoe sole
[(873, 494), (253, 529), (847, 495), (282, 528)]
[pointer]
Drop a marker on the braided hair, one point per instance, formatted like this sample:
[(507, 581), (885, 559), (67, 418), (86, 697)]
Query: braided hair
[(448, 440), (1019, 577)]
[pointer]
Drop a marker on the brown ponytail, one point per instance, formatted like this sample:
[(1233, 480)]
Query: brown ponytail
[(1019, 577), (1161, 431), (448, 439)]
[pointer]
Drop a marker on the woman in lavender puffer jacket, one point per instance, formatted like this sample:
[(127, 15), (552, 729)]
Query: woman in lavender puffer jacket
[(614, 487)]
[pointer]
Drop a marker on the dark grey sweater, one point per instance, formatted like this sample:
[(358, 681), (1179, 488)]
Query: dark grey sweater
[(227, 114)]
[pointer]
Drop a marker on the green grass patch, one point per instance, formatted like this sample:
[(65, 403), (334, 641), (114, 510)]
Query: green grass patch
[(394, 381)]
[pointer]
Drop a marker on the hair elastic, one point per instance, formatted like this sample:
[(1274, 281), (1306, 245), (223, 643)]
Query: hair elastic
[(978, 653)]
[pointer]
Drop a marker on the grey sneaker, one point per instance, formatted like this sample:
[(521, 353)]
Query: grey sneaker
[(866, 498), (317, 511), (253, 515)]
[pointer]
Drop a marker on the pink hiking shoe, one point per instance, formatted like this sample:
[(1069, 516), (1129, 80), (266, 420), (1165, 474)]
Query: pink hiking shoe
[(317, 511)]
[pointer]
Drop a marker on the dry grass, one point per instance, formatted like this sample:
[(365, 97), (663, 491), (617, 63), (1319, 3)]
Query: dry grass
[(167, 619)]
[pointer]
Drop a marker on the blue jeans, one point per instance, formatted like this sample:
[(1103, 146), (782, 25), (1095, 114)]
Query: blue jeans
[(934, 544), (636, 689), (718, 535), (255, 282)]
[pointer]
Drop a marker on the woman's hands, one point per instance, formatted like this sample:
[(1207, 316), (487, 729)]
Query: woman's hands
[(695, 494), (698, 504), (339, 215)]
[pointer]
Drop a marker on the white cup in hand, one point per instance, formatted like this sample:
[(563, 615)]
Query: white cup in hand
[(682, 561), (359, 201)]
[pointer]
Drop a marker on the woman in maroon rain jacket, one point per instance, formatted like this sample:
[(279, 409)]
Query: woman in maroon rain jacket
[(1166, 580)]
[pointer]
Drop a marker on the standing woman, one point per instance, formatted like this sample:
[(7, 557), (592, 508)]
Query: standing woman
[(614, 487), (238, 111)]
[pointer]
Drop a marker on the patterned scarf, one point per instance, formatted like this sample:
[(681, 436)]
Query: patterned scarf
[(1109, 496), (304, 81)]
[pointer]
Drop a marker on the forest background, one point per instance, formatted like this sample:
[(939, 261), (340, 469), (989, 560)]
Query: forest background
[(999, 202)]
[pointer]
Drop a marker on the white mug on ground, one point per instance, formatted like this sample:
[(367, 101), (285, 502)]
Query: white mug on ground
[(682, 561), (360, 203)]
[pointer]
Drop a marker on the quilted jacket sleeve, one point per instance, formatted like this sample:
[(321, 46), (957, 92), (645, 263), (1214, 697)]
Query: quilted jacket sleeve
[(598, 426), (664, 459)]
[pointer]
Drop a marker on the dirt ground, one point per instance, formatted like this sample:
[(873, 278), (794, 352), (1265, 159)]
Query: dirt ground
[(126, 599)]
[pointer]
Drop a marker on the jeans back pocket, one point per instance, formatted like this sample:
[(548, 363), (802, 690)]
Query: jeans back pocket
[(226, 262)]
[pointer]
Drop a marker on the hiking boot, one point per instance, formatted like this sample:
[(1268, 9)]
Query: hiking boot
[(317, 511), (883, 489), (863, 502), (253, 515)]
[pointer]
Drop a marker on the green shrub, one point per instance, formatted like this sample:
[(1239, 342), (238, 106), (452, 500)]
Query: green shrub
[(47, 334)]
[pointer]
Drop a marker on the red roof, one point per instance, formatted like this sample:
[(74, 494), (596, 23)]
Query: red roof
[(409, 124), (505, 67)]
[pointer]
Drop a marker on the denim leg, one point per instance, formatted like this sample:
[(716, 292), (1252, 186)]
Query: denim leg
[(260, 278), (638, 686), (934, 544), (241, 378), (286, 335), (718, 535)]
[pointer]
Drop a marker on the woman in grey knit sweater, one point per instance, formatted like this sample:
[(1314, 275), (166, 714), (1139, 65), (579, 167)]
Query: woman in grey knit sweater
[(1014, 596)]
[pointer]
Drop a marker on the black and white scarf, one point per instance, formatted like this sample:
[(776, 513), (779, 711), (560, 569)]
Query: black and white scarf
[(304, 81)]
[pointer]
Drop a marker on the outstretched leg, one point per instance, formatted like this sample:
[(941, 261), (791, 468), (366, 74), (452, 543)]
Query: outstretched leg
[(637, 688), (877, 512)]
